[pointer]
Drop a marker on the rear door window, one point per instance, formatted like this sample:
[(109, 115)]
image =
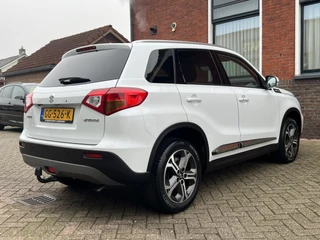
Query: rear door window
[(97, 66), (30, 88), (195, 66)]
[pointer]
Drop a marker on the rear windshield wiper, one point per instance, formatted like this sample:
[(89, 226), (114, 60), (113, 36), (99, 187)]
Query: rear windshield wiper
[(70, 80)]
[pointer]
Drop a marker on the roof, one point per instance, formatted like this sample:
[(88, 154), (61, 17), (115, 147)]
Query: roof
[(182, 43), (8, 60), (51, 54)]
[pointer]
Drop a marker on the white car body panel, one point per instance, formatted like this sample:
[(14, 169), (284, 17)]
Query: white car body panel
[(79, 132), (217, 113), (258, 113)]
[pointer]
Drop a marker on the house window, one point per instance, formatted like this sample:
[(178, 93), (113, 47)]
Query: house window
[(236, 26), (310, 36)]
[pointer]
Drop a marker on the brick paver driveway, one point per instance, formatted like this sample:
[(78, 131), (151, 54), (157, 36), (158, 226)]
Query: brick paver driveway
[(252, 200)]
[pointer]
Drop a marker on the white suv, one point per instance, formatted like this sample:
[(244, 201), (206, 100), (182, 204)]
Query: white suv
[(155, 113)]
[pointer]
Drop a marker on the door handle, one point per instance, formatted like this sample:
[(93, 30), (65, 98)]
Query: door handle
[(243, 99), (193, 99)]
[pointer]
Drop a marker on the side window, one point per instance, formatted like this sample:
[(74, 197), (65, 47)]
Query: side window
[(196, 67), (160, 67), (7, 92), (238, 72), (18, 92)]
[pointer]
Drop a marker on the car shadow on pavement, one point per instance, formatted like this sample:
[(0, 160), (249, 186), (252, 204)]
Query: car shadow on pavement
[(108, 199), (13, 129)]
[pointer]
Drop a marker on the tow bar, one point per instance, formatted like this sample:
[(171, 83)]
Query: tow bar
[(38, 173)]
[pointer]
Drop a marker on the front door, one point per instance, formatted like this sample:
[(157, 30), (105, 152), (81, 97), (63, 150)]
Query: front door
[(258, 107), (5, 104)]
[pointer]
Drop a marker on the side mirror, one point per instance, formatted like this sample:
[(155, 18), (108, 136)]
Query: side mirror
[(272, 81), (19, 98)]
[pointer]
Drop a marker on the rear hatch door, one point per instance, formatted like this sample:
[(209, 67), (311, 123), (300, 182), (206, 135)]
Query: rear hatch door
[(57, 113)]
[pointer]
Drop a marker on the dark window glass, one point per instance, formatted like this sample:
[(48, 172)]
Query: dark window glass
[(238, 72), (7, 92), (311, 37), (160, 67), (97, 66), (196, 67), (18, 92)]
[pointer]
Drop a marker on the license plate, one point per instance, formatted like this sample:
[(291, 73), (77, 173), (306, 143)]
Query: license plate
[(59, 115)]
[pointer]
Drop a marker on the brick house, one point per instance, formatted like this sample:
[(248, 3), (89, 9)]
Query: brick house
[(35, 67), (280, 38)]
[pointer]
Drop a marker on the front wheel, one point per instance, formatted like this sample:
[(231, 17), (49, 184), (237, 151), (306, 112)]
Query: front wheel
[(289, 141), (1, 127), (175, 177)]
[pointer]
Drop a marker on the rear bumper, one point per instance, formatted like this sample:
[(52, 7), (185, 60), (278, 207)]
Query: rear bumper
[(67, 162)]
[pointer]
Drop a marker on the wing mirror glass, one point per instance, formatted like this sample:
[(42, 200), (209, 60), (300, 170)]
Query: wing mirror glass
[(272, 81)]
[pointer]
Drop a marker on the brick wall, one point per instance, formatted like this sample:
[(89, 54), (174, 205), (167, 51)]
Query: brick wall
[(278, 38), (191, 18), (307, 92), (28, 78)]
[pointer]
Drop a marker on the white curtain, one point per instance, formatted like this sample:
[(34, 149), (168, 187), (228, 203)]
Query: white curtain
[(241, 36), (311, 37)]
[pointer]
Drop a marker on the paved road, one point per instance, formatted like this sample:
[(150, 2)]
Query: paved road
[(252, 200)]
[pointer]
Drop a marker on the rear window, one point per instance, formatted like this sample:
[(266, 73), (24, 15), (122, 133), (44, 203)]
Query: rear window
[(30, 88), (97, 66)]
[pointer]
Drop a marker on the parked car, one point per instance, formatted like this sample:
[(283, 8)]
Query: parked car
[(12, 98), (155, 113)]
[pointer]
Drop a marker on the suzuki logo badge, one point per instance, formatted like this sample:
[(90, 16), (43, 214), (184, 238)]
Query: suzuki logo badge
[(51, 99)]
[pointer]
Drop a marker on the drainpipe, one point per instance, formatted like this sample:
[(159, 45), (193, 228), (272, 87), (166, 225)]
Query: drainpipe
[(131, 23)]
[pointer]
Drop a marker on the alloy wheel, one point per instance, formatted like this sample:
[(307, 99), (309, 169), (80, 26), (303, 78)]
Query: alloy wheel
[(291, 141), (180, 176)]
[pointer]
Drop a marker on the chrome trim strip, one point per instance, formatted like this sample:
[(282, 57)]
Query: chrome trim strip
[(234, 146), (249, 143)]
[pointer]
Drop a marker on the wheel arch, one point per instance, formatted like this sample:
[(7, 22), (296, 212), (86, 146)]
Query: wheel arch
[(187, 131), (295, 114)]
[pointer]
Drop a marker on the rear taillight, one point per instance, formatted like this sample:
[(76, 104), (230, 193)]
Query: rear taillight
[(111, 100), (28, 102)]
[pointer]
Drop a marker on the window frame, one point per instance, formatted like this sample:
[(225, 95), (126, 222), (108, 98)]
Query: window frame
[(262, 83), (304, 3)]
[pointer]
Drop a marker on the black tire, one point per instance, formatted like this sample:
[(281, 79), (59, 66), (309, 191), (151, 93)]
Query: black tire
[(171, 164), (289, 142), (75, 183), (1, 127)]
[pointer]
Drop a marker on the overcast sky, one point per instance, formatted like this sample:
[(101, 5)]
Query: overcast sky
[(34, 23)]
